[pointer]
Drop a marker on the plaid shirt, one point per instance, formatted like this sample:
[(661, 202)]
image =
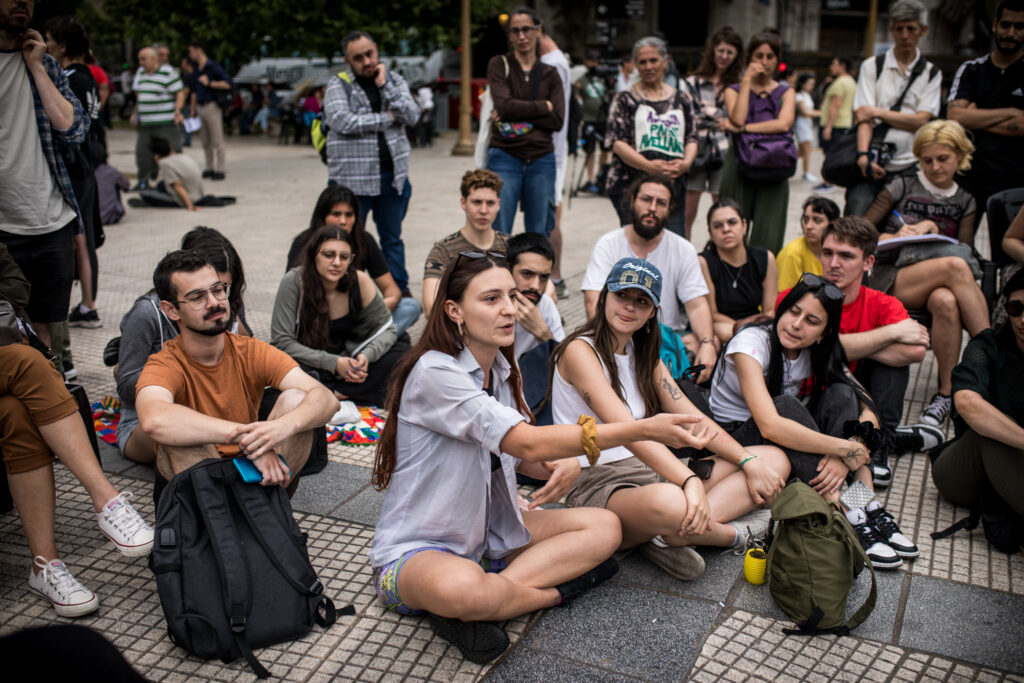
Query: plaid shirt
[(73, 135), (353, 158)]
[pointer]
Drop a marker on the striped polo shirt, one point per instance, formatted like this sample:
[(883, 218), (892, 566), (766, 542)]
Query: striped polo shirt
[(156, 92)]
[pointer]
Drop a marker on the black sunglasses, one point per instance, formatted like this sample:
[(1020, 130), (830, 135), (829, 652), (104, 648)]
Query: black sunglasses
[(816, 282), (495, 255), (1014, 308)]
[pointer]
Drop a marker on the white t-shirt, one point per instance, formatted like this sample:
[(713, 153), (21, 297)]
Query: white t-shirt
[(882, 90), (676, 258), (549, 311), (727, 403), (804, 126), (30, 199), (567, 405)]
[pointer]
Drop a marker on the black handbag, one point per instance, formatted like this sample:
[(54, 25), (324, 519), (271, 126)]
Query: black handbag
[(709, 156), (840, 166)]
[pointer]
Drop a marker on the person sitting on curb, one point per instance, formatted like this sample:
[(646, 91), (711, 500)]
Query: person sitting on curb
[(198, 397), (40, 419)]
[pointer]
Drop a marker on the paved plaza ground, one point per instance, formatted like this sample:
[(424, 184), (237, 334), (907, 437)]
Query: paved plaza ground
[(956, 613)]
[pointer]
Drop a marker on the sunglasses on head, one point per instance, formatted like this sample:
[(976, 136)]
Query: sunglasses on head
[(816, 282), (494, 255), (1014, 308)]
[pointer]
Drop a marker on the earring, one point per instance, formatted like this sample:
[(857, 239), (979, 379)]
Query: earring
[(458, 323)]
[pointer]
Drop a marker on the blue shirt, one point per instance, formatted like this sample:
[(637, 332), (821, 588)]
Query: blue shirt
[(215, 72)]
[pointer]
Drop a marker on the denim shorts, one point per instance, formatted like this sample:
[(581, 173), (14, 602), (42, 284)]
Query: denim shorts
[(385, 578)]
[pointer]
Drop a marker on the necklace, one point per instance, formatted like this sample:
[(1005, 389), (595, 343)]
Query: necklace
[(732, 272)]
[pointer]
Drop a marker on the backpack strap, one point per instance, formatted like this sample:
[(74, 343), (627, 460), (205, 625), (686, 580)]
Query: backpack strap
[(211, 494), (869, 604)]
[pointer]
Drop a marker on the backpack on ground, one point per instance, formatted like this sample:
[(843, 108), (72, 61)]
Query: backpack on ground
[(1003, 527), (231, 566), (319, 129), (812, 563)]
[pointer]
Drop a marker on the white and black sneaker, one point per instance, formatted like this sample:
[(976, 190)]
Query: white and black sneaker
[(881, 473), (887, 529), (878, 551), (917, 438), (937, 410)]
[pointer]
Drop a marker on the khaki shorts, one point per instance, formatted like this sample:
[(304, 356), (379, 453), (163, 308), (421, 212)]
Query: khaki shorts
[(597, 484)]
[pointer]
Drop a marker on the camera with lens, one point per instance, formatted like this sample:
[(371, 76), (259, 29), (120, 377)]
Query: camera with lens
[(881, 153)]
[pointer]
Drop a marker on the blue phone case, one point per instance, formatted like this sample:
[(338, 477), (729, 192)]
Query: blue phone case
[(250, 473)]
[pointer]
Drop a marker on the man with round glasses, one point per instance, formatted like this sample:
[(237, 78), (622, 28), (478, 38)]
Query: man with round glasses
[(198, 397)]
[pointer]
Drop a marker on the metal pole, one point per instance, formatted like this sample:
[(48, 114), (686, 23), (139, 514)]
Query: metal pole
[(464, 145), (869, 48)]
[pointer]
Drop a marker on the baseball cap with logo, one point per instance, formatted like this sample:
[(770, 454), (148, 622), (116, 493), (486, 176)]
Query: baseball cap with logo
[(636, 273)]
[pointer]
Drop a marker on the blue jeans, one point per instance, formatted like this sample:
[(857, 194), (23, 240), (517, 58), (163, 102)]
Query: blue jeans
[(389, 209), (406, 313), (533, 183)]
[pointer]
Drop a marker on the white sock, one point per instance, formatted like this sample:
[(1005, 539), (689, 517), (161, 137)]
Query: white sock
[(82, 308), (736, 540)]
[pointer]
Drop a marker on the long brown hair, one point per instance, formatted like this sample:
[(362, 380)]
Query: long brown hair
[(646, 349), (439, 334), (728, 35), (314, 313)]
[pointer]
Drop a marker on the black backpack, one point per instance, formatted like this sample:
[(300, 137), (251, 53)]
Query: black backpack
[(231, 566), (1003, 527)]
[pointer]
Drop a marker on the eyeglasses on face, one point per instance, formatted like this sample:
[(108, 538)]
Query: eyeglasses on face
[(329, 256), (816, 282), (522, 30), (197, 299), (1014, 308)]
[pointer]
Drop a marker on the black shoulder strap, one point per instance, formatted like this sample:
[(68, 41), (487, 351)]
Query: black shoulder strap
[(211, 492), (914, 73)]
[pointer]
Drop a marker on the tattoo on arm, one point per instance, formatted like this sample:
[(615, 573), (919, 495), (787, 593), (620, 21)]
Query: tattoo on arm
[(672, 388), (587, 399), (851, 458)]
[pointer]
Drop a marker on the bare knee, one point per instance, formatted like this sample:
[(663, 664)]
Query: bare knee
[(942, 303), (470, 597), (288, 401), (664, 504), (603, 529)]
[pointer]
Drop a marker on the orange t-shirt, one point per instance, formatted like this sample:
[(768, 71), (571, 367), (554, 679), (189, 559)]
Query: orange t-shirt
[(230, 389)]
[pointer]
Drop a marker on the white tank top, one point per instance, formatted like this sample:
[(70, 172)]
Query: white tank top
[(567, 405)]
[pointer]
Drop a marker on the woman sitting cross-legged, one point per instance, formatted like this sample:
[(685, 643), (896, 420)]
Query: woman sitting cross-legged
[(330, 317), (452, 540), (786, 382), (741, 277), (612, 366)]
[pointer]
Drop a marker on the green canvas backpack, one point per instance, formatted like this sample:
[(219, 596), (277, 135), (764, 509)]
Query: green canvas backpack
[(812, 562)]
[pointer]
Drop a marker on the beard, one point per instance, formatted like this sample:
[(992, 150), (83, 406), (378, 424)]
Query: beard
[(648, 231), (218, 327), (531, 294), (1008, 46)]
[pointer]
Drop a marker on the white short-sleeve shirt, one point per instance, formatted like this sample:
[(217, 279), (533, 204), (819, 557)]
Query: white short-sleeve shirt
[(549, 311), (882, 90), (727, 402), (675, 257)]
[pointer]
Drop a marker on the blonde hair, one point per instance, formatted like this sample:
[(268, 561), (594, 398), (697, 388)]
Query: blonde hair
[(948, 133)]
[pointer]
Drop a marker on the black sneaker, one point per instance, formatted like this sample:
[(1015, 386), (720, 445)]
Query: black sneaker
[(877, 550), (478, 641), (917, 438), (216, 175), (887, 529), (881, 473), (580, 584), (78, 319), (207, 173), (561, 289), (937, 410)]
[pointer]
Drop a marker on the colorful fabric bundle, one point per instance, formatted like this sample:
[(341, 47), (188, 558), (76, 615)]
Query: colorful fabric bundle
[(364, 432), (106, 413)]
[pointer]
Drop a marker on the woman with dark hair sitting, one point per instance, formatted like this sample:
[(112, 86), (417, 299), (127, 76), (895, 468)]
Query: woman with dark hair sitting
[(786, 383), (330, 317), (337, 205), (612, 365), (452, 539), (741, 277), (987, 456)]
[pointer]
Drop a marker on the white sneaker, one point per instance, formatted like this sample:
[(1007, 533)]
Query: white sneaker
[(347, 414), (55, 583), (882, 556), (812, 179), (124, 526)]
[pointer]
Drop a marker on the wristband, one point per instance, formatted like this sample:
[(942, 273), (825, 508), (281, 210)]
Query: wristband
[(683, 485), (863, 154), (588, 438), (707, 340), (745, 460)]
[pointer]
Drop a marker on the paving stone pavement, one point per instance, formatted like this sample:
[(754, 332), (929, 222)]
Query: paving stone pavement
[(952, 614)]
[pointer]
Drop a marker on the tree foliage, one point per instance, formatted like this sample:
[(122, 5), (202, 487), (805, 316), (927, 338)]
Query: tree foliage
[(235, 32)]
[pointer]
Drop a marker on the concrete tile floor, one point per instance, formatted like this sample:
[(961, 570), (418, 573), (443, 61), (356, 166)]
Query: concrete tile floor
[(641, 625)]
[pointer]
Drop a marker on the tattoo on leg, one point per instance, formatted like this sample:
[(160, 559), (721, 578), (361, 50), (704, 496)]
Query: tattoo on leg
[(672, 388)]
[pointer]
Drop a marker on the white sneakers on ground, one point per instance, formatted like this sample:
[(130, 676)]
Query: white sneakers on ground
[(124, 526), (55, 583), (51, 579)]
